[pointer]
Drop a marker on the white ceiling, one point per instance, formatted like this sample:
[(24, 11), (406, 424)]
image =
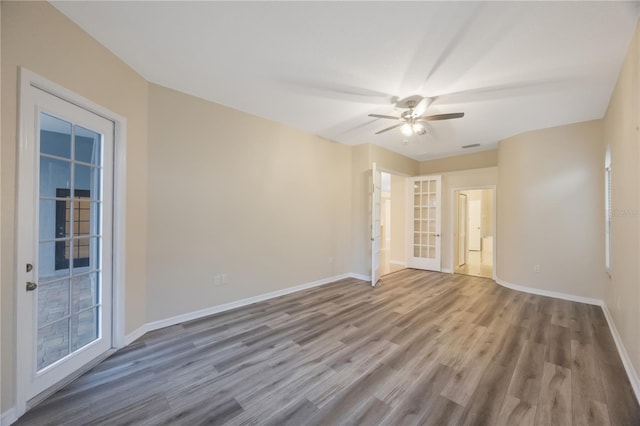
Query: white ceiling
[(323, 66)]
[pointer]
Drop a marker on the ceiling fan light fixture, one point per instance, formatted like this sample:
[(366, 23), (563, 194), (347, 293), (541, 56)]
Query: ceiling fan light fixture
[(406, 129), (419, 129)]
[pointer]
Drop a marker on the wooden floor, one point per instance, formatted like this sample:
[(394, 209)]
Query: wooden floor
[(421, 348)]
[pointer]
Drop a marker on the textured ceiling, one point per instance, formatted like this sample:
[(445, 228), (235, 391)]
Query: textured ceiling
[(323, 66)]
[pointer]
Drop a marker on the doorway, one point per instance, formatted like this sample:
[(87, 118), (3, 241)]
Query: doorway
[(473, 246), (68, 235), (392, 223)]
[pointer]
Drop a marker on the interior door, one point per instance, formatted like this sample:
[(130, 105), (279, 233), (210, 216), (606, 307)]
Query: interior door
[(462, 229), (473, 231), (424, 242), (376, 195), (65, 225)]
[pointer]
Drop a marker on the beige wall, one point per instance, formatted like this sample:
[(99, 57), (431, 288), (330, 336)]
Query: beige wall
[(621, 124), (362, 158), (236, 194), (452, 181), (550, 209), (36, 36), (476, 160), (398, 218)]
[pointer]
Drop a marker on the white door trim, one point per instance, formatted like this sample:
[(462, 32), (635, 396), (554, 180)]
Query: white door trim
[(28, 79), (453, 225), (436, 264)]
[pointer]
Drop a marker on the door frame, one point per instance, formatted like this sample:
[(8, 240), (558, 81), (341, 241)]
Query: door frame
[(410, 222), (457, 225), (26, 81), (454, 210), (396, 173)]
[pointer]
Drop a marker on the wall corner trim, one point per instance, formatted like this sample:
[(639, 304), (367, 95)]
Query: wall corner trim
[(624, 356), (139, 332), (549, 293), (8, 417)]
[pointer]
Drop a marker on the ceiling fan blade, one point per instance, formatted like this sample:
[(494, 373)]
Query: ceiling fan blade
[(437, 117), (389, 128), (391, 117), (421, 108)]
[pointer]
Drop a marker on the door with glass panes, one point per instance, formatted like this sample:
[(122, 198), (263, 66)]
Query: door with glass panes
[(65, 209), (424, 223)]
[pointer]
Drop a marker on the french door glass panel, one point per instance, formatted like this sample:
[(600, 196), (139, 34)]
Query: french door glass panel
[(69, 308), (424, 223)]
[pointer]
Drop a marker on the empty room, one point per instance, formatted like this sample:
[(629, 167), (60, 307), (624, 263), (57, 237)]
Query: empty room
[(319, 213)]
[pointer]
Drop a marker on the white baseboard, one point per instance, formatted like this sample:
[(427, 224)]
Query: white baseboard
[(446, 270), (359, 276), (8, 417), (136, 334), (549, 293), (622, 351), (398, 262), (624, 356)]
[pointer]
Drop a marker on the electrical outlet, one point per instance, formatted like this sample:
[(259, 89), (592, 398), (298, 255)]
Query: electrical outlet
[(223, 279), (536, 268), (217, 280)]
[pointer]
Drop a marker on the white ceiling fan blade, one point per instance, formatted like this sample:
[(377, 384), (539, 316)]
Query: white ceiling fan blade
[(421, 108)]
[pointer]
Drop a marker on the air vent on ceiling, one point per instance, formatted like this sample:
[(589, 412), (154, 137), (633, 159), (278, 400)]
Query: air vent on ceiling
[(473, 145)]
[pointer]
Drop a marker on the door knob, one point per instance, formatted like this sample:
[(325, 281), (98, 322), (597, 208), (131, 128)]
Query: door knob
[(31, 286)]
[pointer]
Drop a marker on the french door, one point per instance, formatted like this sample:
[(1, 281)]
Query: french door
[(424, 242), (65, 226), (376, 196)]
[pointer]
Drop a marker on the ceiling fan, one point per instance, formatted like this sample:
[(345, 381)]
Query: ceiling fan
[(411, 119)]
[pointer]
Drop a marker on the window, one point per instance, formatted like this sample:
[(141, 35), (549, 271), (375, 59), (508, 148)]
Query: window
[(607, 206)]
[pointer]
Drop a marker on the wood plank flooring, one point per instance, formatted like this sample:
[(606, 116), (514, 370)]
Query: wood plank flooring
[(420, 348)]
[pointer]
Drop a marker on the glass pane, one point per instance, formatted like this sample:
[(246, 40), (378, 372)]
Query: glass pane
[(416, 238), (55, 177), (53, 343), (424, 252), (432, 253), (425, 200), (49, 228), (52, 261), (432, 201), (85, 253), (84, 292), (431, 240), (425, 226), (82, 217), (416, 251), (55, 136), (87, 182), (432, 226), (416, 225), (84, 328), (425, 186), (416, 200), (87, 145), (53, 301), (416, 213), (416, 187), (425, 212)]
